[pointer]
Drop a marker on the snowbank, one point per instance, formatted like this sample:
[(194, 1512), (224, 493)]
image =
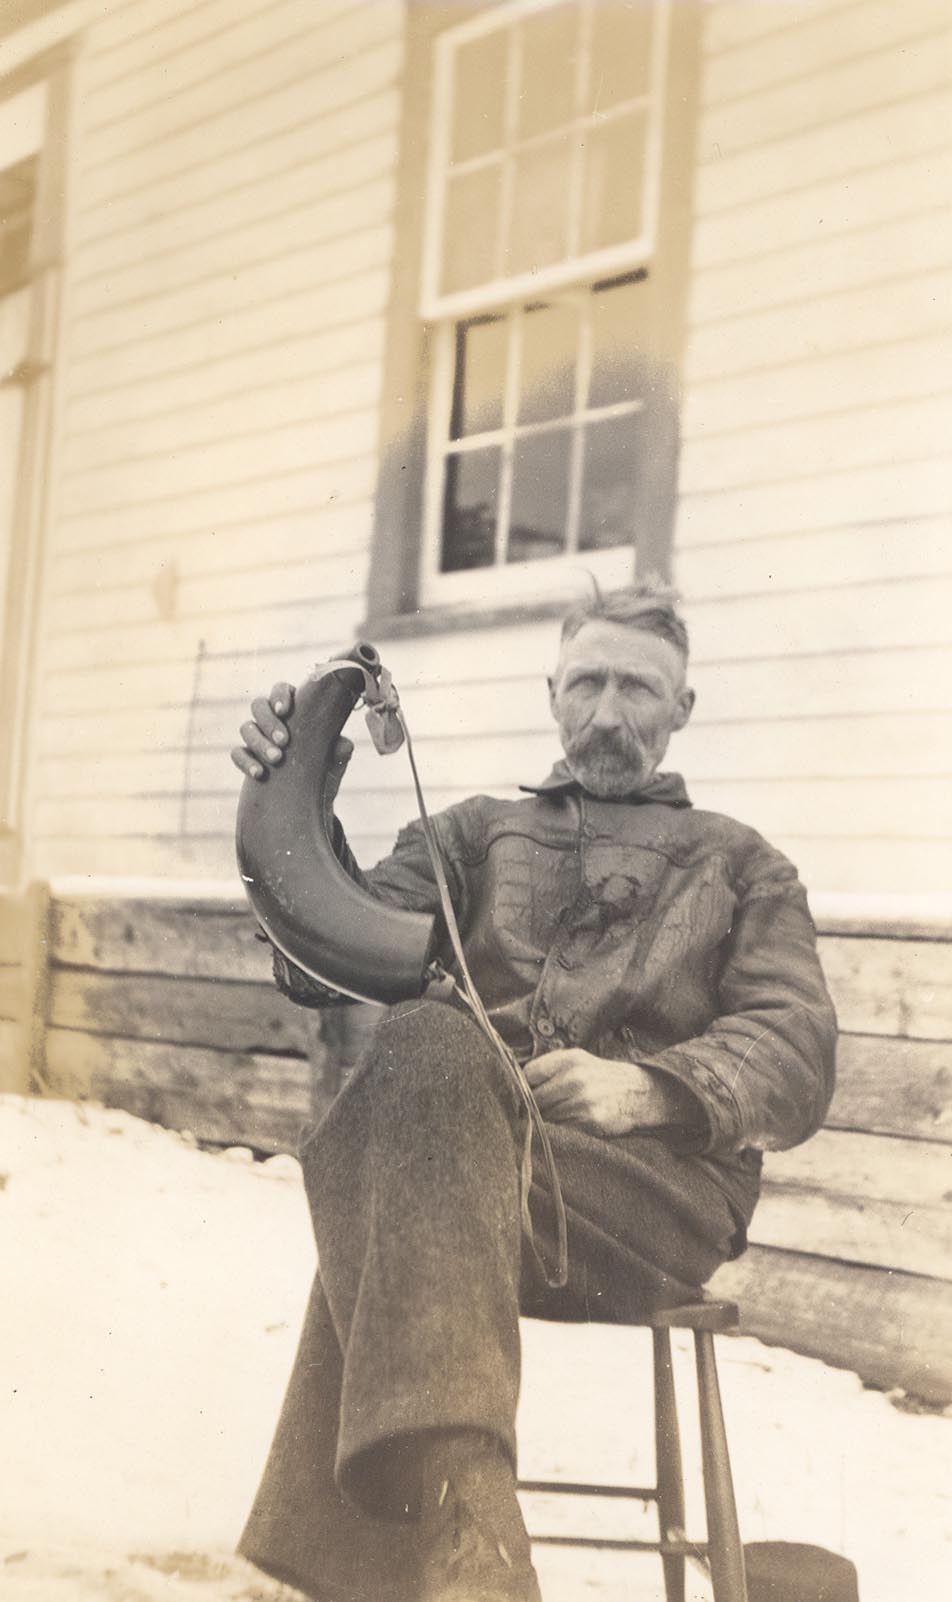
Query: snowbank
[(153, 1294)]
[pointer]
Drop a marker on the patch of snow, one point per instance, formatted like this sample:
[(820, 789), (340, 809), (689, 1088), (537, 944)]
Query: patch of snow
[(153, 1294)]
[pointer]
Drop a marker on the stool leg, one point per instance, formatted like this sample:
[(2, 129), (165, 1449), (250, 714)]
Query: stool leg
[(668, 1459), (725, 1551)]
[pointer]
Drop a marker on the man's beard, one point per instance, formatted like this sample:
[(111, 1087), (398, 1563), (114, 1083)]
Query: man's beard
[(608, 769)]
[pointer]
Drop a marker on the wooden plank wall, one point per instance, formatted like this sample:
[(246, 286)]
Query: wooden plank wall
[(230, 235), (813, 538), (165, 1008)]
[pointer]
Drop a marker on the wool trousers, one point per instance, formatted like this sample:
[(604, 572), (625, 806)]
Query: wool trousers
[(413, 1323)]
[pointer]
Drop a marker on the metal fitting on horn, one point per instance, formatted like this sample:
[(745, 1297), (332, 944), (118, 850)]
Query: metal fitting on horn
[(305, 901)]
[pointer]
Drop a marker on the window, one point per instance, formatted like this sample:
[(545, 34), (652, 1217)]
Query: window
[(547, 286)]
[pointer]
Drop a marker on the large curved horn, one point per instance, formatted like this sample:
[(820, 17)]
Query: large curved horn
[(304, 900)]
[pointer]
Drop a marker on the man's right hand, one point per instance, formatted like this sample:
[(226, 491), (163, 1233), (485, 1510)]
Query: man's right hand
[(267, 737)]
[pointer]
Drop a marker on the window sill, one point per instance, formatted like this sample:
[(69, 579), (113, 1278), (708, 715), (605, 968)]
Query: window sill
[(432, 620)]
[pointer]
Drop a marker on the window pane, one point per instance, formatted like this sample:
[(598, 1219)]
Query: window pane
[(469, 229), (547, 374), (469, 521), (614, 182), (608, 483), (547, 83), (480, 376), (540, 494), (479, 95), (621, 53), (617, 344), (539, 231)]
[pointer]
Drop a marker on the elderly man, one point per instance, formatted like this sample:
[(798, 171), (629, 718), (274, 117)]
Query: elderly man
[(654, 969)]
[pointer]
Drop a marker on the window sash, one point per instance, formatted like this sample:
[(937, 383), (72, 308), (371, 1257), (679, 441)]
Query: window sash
[(502, 578), (591, 266)]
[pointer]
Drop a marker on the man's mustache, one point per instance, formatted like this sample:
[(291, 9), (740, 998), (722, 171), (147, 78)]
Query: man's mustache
[(595, 747)]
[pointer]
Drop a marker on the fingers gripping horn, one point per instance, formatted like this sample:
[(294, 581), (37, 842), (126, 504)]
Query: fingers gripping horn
[(306, 902)]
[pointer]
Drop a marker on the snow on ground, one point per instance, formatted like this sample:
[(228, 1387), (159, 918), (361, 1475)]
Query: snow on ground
[(152, 1297)]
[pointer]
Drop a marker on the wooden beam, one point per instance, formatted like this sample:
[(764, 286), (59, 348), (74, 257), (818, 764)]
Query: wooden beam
[(893, 1087), (892, 1329), (212, 940), (227, 1097), (890, 987), (236, 1016)]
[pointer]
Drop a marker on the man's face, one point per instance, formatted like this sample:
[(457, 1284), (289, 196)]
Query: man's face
[(617, 695)]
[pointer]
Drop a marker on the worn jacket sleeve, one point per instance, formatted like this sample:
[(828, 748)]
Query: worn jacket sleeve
[(763, 1072), (404, 879)]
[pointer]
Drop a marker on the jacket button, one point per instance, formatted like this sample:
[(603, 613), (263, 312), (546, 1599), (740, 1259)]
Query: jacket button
[(546, 1028)]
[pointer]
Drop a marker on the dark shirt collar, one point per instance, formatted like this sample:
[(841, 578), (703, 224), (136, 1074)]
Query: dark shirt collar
[(667, 789)]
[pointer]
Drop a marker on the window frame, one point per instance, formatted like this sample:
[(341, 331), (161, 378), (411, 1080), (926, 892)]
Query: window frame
[(399, 600), (41, 86)]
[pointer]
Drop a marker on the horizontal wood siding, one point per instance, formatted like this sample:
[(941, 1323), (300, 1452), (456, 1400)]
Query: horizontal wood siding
[(813, 540), (230, 239)]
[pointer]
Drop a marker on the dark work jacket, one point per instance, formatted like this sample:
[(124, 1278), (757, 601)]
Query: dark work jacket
[(644, 931)]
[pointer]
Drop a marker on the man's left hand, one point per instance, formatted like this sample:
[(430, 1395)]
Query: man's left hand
[(599, 1095)]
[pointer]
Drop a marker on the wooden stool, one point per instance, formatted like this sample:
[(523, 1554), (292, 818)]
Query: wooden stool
[(721, 1554)]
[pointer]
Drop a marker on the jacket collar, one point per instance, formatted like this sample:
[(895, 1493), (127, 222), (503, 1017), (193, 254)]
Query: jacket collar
[(667, 789)]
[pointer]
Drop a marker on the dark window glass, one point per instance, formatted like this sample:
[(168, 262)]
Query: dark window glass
[(539, 230), (617, 341), (469, 519), (608, 483), (470, 231), (621, 53), (549, 345), (614, 168), (479, 96), (480, 376), (540, 492), (547, 83)]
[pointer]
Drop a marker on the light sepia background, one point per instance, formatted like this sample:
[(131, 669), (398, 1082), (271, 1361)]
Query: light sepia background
[(269, 385)]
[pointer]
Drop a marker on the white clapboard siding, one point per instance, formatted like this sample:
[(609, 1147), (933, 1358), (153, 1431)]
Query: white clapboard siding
[(233, 184), (165, 276), (332, 236), (362, 292), (255, 496), (911, 431), (835, 33), (291, 102), (852, 497), (123, 267), (769, 227), (889, 132), (866, 377), (327, 533), (733, 24), (228, 31), (908, 244), (174, 208), (791, 562), (846, 320), (255, 413), (308, 356), (177, 96), (907, 61)]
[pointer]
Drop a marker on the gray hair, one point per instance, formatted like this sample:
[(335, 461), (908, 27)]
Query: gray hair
[(650, 605)]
